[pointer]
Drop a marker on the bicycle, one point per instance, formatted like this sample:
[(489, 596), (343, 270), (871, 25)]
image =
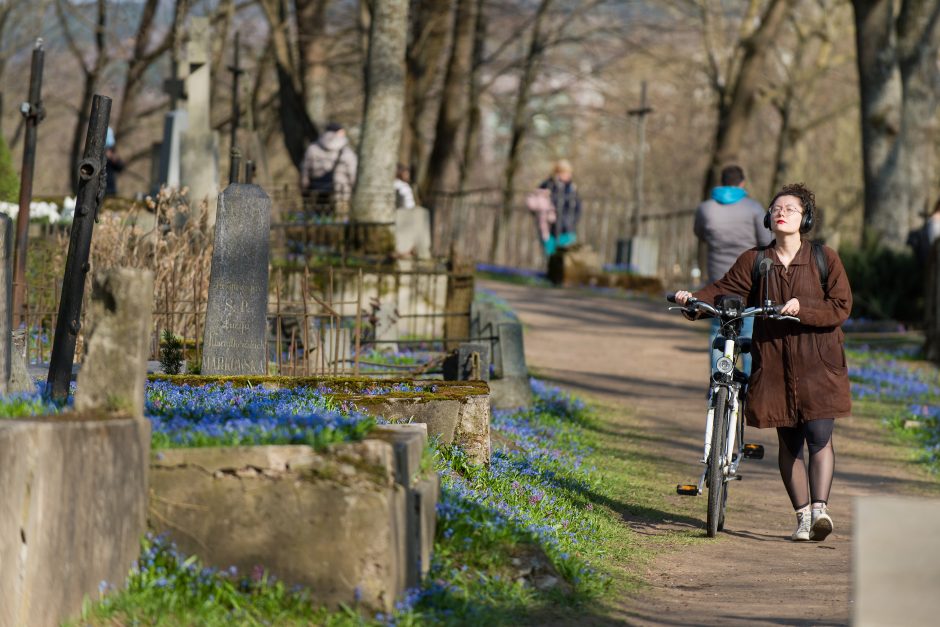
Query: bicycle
[(724, 445)]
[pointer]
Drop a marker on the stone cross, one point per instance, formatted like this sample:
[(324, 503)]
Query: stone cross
[(236, 315), (199, 157)]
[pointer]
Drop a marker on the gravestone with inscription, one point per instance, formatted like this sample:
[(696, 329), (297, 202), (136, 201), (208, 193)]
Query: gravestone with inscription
[(234, 339)]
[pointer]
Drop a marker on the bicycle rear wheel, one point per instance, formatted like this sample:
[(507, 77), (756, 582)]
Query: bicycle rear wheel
[(716, 480)]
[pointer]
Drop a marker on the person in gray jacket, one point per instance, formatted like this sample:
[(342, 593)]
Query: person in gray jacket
[(728, 224), (328, 171)]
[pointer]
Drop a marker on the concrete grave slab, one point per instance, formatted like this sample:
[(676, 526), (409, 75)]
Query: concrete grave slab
[(896, 561), (72, 514)]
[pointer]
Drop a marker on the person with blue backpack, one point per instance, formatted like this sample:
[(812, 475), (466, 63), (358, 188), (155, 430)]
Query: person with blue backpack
[(729, 223)]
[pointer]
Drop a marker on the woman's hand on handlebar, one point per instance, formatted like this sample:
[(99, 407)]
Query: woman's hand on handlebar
[(682, 297), (789, 308)]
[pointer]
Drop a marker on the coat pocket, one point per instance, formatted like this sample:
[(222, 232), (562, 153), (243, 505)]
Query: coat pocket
[(831, 353)]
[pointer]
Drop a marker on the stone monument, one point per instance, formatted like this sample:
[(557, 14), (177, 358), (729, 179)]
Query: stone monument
[(199, 148), (234, 338)]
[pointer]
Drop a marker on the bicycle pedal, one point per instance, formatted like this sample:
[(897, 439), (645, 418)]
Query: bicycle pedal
[(687, 490), (754, 451)]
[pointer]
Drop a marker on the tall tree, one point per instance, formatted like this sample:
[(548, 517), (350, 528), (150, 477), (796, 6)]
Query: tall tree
[(520, 124), (444, 163), (312, 46), (143, 56), (430, 26), (737, 84), (91, 70), (373, 199), (899, 81), (297, 127)]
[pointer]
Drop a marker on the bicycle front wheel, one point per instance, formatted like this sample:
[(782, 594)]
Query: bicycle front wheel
[(716, 479)]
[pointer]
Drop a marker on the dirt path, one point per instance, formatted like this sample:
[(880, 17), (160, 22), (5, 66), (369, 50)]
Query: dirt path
[(636, 355)]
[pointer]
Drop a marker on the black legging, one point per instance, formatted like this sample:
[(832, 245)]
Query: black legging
[(818, 437)]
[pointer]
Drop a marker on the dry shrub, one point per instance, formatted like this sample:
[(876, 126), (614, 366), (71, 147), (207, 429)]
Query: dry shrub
[(177, 249)]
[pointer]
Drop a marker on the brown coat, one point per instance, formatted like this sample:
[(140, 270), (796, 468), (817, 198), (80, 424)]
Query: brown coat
[(799, 370)]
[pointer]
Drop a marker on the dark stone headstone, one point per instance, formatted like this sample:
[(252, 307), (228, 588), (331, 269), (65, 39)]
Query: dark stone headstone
[(233, 343)]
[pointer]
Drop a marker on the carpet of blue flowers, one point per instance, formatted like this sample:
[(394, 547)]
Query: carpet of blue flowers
[(903, 389), (517, 535)]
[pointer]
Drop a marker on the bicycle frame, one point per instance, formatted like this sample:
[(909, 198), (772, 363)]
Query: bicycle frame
[(724, 450)]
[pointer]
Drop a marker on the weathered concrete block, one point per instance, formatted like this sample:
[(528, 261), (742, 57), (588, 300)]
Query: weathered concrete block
[(20, 380), (425, 495), (577, 265), (896, 561), (510, 393), (512, 350), (469, 362), (463, 420), (440, 415), (72, 511), (333, 521), (114, 371), (473, 428), (408, 442)]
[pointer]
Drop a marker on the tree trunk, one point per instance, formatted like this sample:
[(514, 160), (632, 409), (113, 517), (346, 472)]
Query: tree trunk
[(734, 114), (898, 83), (142, 60), (520, 125), (472, 131), (430, 29), (311, 27), (297, 128), (90, 79), (374, 197), (443, 165)]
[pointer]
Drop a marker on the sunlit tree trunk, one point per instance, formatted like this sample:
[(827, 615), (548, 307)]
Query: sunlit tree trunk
[(430, 26), (443, 165), (898, 81), (520, 126), (374, 199)]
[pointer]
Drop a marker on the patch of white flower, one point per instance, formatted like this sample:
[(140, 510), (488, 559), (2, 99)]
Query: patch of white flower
[(44, 211)]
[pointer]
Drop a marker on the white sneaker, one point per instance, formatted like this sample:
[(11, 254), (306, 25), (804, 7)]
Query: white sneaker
[(802, 527), (822, 524)]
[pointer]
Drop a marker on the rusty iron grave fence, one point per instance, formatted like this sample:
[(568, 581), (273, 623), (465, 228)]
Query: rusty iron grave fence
[(325, 321)]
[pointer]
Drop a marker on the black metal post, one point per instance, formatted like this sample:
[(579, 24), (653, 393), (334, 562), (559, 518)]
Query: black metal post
[(33, 112), (235, 157), (249, 171), (236, 71), (91, 186)]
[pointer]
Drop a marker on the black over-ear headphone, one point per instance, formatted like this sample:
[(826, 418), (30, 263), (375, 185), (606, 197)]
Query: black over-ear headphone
[(806, 224)]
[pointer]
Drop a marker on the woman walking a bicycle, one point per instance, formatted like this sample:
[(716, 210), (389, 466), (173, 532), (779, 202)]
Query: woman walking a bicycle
[(799, 381)]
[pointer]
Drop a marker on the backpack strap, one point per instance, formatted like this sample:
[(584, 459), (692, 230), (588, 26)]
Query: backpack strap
[(822, 265), (819, 255)]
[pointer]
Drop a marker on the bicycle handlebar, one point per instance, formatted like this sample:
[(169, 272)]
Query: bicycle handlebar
[(769, 311)]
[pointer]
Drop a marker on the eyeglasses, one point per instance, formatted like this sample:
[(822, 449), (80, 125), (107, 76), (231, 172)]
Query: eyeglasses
[(787, 211)]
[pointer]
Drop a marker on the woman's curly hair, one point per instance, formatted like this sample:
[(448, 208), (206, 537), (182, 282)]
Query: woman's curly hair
[(806, 196)]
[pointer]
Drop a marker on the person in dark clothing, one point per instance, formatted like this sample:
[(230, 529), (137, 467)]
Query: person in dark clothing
[(113, 164), (564, 196)]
